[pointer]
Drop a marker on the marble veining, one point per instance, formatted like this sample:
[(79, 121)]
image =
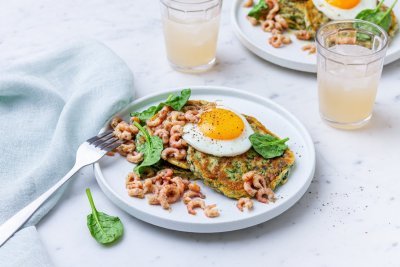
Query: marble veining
[(349, 215)]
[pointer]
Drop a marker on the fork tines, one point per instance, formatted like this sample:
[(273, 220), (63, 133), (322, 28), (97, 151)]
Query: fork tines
[(95, 138), (105, 141)]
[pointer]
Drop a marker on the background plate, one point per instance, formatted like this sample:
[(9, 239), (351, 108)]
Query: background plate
[(111, 171), (290, 56)]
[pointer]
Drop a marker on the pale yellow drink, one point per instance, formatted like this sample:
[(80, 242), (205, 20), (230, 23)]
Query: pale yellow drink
[(347, 95), (350, 56), (191, 43), (345, 102)]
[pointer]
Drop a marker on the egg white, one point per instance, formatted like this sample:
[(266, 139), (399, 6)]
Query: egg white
[(336, 13), (220, 148)]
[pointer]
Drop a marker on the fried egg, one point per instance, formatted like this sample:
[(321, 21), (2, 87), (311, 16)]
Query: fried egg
[(343, 9), (220, 132)]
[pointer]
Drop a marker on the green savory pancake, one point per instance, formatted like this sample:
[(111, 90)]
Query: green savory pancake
[(224, 174), (302, 15)]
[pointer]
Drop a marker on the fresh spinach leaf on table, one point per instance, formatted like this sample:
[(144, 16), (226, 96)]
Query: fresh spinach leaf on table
[(104, 228)]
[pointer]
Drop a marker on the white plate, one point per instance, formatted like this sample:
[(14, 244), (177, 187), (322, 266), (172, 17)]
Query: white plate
[(290, 56), (111, 171)]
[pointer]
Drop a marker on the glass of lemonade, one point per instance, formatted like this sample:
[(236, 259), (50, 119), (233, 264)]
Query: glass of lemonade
[(191, 33), (350, 59)]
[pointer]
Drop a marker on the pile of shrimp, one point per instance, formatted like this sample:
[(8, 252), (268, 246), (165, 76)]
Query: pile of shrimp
[(276, 25), (255, 185), (165, 189), (166, 124), (127, 133)]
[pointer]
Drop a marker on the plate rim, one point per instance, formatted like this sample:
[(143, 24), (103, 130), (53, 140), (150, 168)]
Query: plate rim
[(303, 67), (224, 226)]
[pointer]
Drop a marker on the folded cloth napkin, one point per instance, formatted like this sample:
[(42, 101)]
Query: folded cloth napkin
[(49, 105)]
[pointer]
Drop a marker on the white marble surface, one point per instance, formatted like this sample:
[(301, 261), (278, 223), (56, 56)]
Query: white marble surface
[(350, 214)]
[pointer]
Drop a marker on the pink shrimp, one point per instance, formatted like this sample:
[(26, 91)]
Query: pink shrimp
[(173, 152), (136, 192), (177, 116), (148, 186), (176, 141), (268, 25), (176, 129), (192, 116), (115, 121), (189, 195), (248, 184), (265, 191), (132, 176), (165, 173), (282, 22), (125, 149), (163, 134), (179, 184), (274, 8), (160, 117), (168, 194), (244, 202), (211, 211), (136, 157), (194, 187), (195, 203)]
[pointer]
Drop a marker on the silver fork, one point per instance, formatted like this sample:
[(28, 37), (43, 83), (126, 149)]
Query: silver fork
[(89, 152)]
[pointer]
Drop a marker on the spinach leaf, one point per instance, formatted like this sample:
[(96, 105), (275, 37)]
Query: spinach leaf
[(177, 102), (151, 149), (259, 9), (174, 101), (104, 228), (148, 113), (267, 145), (377, 16)]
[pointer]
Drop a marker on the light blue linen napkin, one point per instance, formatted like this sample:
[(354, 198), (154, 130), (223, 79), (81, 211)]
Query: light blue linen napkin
[(48, 106)]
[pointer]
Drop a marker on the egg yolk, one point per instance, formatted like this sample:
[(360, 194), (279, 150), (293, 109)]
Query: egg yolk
[(221, 124), (344, 4)]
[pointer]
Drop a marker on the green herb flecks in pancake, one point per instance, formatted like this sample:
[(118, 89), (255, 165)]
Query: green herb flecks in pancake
[(224, 174)]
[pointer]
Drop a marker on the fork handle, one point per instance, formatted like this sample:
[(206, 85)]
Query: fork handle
[(12, 225)]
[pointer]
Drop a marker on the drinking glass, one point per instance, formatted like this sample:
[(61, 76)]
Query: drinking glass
[(191, 33), (350, 59)]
